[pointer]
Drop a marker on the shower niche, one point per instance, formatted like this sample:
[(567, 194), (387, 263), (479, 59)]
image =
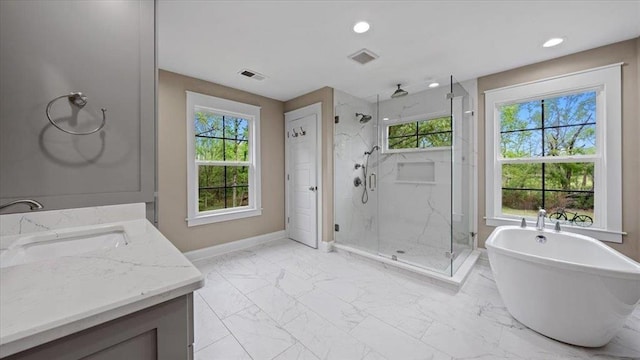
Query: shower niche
[(417, 172), (413, 156)]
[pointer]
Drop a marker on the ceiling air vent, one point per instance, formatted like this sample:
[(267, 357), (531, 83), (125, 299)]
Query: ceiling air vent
[(252, 74), (363, 56)]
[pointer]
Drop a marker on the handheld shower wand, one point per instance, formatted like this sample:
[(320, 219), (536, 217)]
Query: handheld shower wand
[(365, 192)]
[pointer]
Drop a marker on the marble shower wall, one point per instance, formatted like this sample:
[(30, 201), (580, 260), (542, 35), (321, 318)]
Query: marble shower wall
[(415, 213), (419, 213), (357, 221)]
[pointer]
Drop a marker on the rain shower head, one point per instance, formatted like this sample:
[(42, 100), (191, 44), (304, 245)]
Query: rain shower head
[(399, 93), (363, 118)]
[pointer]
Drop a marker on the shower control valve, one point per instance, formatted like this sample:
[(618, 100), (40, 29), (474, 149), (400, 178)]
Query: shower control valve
[(357, 182)]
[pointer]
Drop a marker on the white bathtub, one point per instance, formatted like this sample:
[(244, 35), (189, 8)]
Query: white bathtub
[(572, 288)]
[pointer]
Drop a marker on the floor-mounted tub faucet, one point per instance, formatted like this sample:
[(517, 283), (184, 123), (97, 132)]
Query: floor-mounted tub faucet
[(542, 213)]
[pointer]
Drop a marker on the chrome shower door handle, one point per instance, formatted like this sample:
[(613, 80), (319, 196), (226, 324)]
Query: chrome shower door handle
[(373, 182)]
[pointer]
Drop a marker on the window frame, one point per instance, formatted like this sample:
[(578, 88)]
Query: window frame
[(414, 119), (606, 81), (224, 107)]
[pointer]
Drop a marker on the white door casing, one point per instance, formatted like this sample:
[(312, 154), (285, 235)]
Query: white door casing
[(303, 174)]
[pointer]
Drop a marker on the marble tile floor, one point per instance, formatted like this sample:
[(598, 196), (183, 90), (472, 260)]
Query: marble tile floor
[(284, 300)]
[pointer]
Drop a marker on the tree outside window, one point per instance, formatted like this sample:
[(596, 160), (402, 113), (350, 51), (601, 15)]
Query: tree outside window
[(423, 134), (222, 154), (541, 145)]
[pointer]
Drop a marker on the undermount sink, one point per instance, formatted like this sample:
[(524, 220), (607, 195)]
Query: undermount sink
[(40, 247)]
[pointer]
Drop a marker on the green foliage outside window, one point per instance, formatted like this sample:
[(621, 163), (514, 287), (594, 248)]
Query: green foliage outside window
[(554, 127), (221, 138), (421, 134)]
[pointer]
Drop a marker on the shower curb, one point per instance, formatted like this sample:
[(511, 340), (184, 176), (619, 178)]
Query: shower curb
[(452, 283)]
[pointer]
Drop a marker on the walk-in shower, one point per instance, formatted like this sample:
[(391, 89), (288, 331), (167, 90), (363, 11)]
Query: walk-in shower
[(403, 177)]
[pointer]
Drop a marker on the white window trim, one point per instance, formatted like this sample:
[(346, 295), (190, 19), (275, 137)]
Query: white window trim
[(608, 173), (409, 119), (234, 109)]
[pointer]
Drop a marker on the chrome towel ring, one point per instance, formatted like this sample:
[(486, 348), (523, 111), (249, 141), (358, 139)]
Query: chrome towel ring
[(80, 100)]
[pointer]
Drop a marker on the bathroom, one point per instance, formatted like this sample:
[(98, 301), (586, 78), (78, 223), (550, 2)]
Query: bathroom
[(300, 185)]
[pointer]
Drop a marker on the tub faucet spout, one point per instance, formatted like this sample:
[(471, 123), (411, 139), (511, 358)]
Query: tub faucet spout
[(542, 213)]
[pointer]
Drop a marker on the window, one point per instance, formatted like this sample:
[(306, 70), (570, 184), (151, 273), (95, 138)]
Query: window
[(419, 134), (555, 144), (548, 155), (223, 173), (222, 147)]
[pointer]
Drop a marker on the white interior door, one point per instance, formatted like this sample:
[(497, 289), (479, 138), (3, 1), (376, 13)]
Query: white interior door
[(302, 176)]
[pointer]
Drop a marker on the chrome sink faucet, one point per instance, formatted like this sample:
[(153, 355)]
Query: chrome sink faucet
[(542, 213), (33, 205)]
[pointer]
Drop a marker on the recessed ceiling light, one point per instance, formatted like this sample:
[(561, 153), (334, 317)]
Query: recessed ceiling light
[(361, 27), (385, 119), (434, 85), (553, 42)]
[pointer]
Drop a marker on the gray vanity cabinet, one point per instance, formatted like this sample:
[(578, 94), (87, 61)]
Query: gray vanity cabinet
[(104, 49), (162, 332)]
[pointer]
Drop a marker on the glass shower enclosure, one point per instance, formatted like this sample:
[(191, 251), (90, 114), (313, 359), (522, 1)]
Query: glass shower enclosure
[(403, 170)]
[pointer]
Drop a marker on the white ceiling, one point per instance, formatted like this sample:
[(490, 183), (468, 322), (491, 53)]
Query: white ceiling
[(303, 45)]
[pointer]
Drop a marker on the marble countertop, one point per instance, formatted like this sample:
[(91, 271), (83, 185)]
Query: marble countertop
[(49, 299)]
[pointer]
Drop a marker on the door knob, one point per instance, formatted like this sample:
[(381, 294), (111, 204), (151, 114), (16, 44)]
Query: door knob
[(313, 188)]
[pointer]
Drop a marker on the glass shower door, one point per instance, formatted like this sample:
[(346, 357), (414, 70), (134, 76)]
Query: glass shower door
[(355, 171), (462, 206), (414, 179)]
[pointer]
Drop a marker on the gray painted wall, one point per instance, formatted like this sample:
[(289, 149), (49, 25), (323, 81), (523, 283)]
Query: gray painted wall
[(105, 49)]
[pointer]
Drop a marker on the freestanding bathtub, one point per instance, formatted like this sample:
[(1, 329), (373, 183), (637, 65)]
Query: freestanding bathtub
[(566, 286)]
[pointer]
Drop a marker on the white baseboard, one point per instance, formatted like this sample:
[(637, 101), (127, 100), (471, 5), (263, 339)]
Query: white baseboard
[(484, 257), (326, 246), (234, 246)]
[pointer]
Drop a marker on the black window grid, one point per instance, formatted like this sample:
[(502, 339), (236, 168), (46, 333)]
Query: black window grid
[(416, 135), (224, 158), (542, 128)]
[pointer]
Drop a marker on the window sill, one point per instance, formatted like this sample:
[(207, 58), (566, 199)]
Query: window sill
[(204, 219), (596, 233)]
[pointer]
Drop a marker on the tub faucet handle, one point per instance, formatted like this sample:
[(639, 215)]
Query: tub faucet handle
[(523, 223), (542, 213)]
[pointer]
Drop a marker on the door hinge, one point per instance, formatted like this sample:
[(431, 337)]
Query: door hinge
[(450, 95), (450, 255), (287, 176), (336, 227), (288, 220), (336, 119)]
